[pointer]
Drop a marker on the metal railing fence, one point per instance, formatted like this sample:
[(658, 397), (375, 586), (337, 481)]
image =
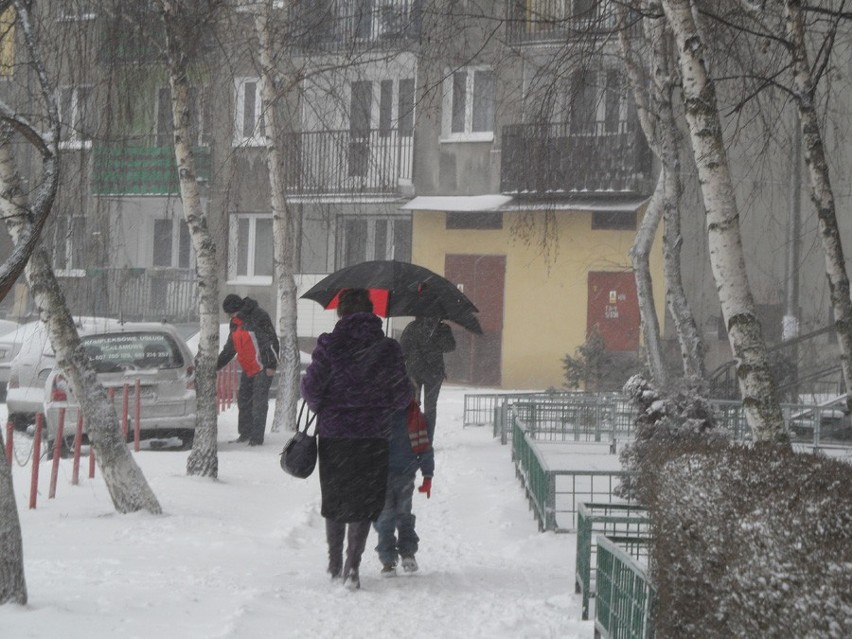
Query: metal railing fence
[(625, 596), (626, 524)]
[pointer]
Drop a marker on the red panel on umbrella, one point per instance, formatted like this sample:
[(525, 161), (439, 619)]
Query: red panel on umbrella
[(378, 296)]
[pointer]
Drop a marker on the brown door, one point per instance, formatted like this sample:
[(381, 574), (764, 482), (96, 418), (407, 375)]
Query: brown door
[(613, 310), (477, 358)]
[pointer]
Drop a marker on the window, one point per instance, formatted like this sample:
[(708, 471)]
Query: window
[(360, 117), (76, 117), (595, 103), (373, 238), (248, 127), (614, 220), (469, 105), (69, 245), (406, 107), (386, 108), (172, 246), (251, 254), (478, 220)]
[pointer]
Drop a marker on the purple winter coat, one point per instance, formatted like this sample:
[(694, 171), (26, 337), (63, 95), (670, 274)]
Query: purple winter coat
[(356, 379)]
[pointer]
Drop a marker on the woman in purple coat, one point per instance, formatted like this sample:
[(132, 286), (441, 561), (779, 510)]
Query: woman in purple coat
[(355, 382)]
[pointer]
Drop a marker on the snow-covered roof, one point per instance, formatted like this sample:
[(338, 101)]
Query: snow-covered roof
[(468, 203), (478, 203)]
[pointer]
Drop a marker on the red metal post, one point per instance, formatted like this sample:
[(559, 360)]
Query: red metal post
[(10, 431), (124, 401), (91, 461), (234, 375), (36, 458), (219, 392), (57, 450), (78, 443), (137, 413)]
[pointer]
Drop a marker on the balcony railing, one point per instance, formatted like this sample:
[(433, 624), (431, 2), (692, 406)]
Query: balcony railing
[(328, 162), (538, 21), (154, 294), (332, 25), (142, 170), (553, 159)]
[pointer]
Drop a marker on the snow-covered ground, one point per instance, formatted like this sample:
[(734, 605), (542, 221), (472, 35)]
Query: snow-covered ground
[(244, 556)]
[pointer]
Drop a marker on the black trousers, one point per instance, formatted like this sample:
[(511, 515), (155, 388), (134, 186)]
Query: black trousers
[(430, 388), (253, 405)]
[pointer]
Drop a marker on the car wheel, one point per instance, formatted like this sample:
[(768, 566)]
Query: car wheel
[(186, 439)]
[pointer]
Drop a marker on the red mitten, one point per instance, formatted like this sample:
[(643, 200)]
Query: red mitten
[(426, 487)]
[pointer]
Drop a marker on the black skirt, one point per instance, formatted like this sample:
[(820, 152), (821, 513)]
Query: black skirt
[(353, 477)]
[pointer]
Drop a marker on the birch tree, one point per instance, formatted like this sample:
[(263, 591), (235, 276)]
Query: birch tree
[(757, 387), (126, 484), (821, 191), (659, 124), (284, 227), (183, 28)]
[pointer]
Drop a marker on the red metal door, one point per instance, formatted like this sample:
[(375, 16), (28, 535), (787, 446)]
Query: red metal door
[(477, 358), (613, 310)]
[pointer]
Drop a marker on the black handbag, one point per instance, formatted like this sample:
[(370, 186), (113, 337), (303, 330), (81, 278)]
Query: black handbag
[(299, 456)]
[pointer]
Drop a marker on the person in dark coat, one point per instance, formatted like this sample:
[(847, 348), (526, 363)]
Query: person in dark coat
[(356, 380), (424, 342), (252, 339)]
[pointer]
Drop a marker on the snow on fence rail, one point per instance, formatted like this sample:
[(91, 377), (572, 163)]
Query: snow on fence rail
[(227, 384)]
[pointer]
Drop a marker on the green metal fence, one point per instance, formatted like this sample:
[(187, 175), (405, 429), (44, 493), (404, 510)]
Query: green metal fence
[(625, 597), (555, 495), (609, 417), (625, 524)]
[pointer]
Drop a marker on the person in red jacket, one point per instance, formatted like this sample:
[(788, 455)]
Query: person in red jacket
[(255, 344)]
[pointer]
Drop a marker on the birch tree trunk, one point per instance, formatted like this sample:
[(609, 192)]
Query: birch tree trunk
[(126, 484), (13, 583), (283, 226), (181, 37), (757, 387), (822, 194), (656, 115)]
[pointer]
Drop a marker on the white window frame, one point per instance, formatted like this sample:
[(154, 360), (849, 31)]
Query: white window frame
[(257, 138), (177, 224), (468, 135), (70, 245), (77, 139), (234, 277), (370, 239)]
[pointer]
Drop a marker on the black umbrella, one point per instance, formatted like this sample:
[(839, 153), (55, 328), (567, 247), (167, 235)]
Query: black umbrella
[(399, 289)]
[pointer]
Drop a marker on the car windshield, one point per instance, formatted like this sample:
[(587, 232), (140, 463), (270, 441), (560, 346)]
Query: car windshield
[(122, 351)]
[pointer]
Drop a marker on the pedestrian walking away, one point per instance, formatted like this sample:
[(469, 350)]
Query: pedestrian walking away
[(410, 450), (252, 339), (424, 342), (355, 382)]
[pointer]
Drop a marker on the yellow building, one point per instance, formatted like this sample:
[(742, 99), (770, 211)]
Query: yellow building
[(542, 276)]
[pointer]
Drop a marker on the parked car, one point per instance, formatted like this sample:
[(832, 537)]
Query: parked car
[(122, 353), (12, 337)]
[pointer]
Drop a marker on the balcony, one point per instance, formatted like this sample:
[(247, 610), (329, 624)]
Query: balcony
[(154, 294), (555, 21), (552, 159), (142, 170), (326, 26), (376, 162)]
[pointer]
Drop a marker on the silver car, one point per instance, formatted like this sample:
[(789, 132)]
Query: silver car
[(122, 354), (12, 337)]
